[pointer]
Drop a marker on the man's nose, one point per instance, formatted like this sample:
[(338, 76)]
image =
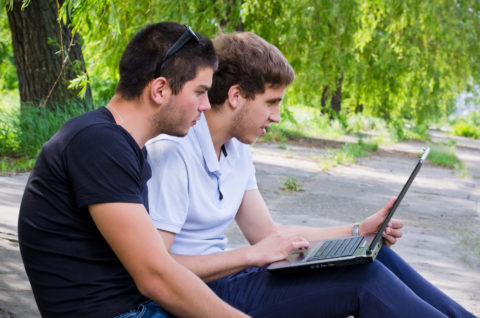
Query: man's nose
[(204, 104), (275, 115)]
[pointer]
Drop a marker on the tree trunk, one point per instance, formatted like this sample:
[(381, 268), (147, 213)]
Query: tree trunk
[(46, 59), (336, 102), (323, 101)]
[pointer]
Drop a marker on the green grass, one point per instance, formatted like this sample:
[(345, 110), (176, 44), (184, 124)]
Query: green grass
[(466, 129), (281, 133), (468, 126), (15, 165), (303, 122), (9, 123), (443, 154), (292, 185), (23, 130), (38, 125), (299, 121), (348, 154)]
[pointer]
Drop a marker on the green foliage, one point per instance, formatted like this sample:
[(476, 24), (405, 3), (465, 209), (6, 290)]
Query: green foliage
[(348, 154), (106, 27), (281, 133), (8, 75), (403, 129), (466, 129), (444, 155), (14, 165), (38, 125), (406, 59), (468, 126), (357, 123), (304, 121), (9, 123), (292, 185), (402, 63)]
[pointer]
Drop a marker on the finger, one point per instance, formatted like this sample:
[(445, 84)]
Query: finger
[(300, 244), (393, 232), (395, 224), (389, 240), (396, 233)]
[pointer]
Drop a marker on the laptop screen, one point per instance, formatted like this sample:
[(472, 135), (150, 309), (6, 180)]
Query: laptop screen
[(378, 236)]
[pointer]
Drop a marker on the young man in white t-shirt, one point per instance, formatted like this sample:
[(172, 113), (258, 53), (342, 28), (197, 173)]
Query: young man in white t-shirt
[(206, 180)]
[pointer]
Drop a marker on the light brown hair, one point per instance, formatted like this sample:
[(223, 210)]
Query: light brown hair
[(249, 61)]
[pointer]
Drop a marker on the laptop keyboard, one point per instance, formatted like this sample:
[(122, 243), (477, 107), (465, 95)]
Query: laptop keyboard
[(337, 248)]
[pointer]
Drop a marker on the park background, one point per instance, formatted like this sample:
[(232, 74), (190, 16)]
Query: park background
[(393, 67), (373, 78)]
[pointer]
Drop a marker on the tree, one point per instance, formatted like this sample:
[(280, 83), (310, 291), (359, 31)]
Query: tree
[(48, 56), (107, 26), (393, 59)]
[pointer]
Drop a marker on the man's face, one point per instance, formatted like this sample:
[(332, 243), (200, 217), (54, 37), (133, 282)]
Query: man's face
[(255, 116), (183, 110)]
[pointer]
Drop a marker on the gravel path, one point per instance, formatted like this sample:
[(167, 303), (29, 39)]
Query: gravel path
[(441, 211)]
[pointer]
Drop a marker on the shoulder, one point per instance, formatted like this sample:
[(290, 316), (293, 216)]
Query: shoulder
[(87, 132), (96, 136), (240, 150), (164, 146)]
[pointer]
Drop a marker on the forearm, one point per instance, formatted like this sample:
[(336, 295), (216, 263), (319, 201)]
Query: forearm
[(216, 266), (129, 232), (314, 234), (182, 293)]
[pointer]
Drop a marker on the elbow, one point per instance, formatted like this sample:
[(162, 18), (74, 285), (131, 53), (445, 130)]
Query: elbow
[(155, 287), (154, 284)]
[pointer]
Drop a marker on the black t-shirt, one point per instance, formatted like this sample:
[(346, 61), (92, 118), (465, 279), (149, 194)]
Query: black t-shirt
[(72, 269)]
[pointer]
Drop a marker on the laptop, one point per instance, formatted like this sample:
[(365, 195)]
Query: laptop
[(343, 251)]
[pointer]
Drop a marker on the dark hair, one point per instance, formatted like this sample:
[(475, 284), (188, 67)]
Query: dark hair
[(145, 51), (249, 61)]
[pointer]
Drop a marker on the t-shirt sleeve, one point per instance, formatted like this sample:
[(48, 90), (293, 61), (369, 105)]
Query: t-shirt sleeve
[(103, 166), (252, 180), (168, 190)]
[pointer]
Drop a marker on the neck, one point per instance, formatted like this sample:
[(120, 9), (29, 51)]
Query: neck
[(219, 123), (132, 116)]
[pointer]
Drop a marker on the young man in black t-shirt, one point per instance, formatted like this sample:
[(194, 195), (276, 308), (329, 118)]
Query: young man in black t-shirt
[(87, 242)]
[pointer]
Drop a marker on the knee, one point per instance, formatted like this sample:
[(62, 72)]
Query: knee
[(373, 275)]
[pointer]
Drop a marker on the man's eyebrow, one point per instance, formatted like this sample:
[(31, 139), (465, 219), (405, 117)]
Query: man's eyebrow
[(205, 87), (274, 100)]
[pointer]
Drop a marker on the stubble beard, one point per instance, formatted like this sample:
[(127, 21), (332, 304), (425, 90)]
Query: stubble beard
[(169, 121), (240, 127)]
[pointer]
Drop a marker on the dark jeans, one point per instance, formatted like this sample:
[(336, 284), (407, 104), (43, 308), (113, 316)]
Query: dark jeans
[(388, 287), (146, 310)]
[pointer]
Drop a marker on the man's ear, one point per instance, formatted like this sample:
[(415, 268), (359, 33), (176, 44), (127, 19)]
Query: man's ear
[(235, 96), (160, 90)]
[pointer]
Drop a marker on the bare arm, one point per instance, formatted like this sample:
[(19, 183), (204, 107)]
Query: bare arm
[(254, 212), (269, 244), (128, 230), (215, 266), (370, 225)]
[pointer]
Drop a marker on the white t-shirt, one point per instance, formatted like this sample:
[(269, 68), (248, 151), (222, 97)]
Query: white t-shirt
[(192, 193)]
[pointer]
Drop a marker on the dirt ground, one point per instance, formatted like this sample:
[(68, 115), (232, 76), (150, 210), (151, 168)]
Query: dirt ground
[(441, 210)]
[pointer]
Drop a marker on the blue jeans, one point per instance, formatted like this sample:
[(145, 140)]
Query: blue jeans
[(388, 287), (146, 310)]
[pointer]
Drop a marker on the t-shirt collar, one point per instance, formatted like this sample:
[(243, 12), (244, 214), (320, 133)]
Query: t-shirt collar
[(206, 145)]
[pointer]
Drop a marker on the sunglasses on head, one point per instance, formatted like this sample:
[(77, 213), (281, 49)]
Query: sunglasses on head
[(182, 40)]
